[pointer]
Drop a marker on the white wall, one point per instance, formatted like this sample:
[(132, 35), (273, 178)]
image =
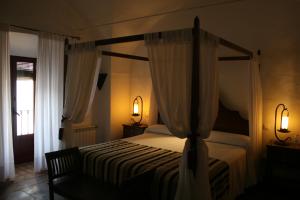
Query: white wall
[(111, 104), (100, 112), (272, 26), (23, 44), (120, 101), (141, 85), (281, 84), (234, 85)]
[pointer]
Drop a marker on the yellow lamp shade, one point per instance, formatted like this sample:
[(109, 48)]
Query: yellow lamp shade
[(285, 122), (136, 108)]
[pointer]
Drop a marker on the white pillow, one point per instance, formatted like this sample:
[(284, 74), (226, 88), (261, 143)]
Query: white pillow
[(158, 128), (215, 136), (229, 138)]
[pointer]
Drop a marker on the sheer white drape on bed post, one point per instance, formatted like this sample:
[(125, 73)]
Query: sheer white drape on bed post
[(48, 96), (255, 122), (171, 59), (81, 80), (7, 167), (153, 112)]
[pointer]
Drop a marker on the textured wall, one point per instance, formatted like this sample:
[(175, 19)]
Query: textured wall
[(23, 44), (272, 26)]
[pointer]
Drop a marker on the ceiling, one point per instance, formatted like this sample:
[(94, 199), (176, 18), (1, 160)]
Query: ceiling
[(91, 19), (72, 16)]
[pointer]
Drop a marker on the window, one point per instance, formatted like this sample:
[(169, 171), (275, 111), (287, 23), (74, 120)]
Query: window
[(25, 98)]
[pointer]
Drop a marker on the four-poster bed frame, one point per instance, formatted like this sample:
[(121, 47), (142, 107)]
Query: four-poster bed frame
[(142, 58), (192, 157), (140, 37), (192, 160)]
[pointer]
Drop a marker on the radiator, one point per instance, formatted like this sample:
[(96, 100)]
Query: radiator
[(83, 136)]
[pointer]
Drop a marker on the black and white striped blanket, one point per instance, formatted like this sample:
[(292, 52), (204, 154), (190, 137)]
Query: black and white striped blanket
[(119, 160)]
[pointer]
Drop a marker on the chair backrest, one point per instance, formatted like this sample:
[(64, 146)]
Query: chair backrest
[(63, 162)]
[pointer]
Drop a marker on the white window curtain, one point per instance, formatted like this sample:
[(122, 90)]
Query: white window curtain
[(81, 81), (48, 96), (170, 58), (7, 167), (255, 122)]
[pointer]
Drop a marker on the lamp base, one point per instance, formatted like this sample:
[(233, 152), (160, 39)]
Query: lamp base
[(285, 143), (136, 124)]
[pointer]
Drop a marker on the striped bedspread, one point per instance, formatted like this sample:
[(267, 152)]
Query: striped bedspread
[(119, 160)]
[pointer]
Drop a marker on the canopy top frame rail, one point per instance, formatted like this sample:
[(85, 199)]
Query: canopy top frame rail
[(142, 58), (140, 37)]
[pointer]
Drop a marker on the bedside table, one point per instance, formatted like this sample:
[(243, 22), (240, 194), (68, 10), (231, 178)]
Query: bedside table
[(130, 130), (283, 163)]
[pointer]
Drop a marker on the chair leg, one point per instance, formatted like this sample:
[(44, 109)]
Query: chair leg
[(51, 193)]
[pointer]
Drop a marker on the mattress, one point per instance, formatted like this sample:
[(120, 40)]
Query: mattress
[(119, 160), (227, 147)]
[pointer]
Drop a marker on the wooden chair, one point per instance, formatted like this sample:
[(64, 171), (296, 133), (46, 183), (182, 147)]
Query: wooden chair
[(66, 178)]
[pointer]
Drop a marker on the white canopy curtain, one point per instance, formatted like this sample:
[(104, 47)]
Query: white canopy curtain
[(48, 96), (7, 167), (255, 122), (170, 56), (82, 73)]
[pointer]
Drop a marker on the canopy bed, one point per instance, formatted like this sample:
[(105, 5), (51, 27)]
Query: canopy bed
[(201, 165)]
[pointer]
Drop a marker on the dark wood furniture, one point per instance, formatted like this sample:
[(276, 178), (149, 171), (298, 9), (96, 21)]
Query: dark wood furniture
[(130, 130), (66, 178), (227, 121), (140, 37), (283, 164), (230, 121)]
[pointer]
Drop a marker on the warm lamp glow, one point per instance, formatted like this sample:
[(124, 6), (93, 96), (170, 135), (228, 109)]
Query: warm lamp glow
[(285, 122), (136, 108)]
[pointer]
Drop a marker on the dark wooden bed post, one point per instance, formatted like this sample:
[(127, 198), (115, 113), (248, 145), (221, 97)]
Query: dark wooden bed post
[(192, 154)]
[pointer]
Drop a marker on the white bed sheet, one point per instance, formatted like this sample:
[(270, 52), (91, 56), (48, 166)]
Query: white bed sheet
[(234, 156)]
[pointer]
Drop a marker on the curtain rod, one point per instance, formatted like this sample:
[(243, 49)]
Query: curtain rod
[(37, 30), (142, 58)]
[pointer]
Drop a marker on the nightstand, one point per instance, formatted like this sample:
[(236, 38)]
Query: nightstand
[(283, 164), (130, 130)]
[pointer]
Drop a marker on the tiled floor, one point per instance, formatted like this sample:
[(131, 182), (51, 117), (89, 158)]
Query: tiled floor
[(27, 185), (31, 186)]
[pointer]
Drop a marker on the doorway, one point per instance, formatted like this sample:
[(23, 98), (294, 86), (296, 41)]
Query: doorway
[(22, 96)]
